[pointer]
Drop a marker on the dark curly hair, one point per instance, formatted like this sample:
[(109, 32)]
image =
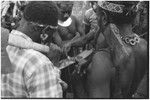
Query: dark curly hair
[(126, 17), (42, 12)]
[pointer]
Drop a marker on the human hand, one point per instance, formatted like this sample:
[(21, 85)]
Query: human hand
[(63, 84), (66, 47), (55, 47), (54, 53)]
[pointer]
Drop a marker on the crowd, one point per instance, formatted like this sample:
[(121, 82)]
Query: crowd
[(48, 52)]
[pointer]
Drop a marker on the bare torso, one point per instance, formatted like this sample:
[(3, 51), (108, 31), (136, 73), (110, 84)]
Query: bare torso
[(67, 33)]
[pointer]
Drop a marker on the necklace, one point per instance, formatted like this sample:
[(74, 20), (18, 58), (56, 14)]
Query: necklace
[(131, 39), (65, 23)]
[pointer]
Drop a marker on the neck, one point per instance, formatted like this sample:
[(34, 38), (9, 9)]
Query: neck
[(22, 30), (125, 29), (28, 33)]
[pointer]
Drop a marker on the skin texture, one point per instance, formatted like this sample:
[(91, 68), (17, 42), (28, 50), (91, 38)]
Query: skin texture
[(67, 35), (131, 65), (98, 78), (29, 30)]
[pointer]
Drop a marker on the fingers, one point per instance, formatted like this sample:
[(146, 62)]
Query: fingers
[(66, 48), (55, 47)]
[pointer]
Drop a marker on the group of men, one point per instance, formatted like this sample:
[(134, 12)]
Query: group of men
[(32, 73)]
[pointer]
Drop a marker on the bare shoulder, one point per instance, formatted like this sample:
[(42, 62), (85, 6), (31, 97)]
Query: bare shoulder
[(141, 47), (142, 44), (101, 56), (74, 19)]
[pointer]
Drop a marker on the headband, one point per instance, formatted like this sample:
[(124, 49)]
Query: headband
[(41, 25), (111, 6)]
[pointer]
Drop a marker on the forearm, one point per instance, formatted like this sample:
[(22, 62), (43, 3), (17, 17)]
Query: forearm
[(83, 39), (86, 38), (79, 41)]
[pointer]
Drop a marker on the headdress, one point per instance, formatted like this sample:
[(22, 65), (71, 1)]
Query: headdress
[(111, 6)]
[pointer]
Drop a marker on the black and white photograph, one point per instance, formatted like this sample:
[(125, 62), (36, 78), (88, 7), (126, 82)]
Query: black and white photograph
[(74, 49)]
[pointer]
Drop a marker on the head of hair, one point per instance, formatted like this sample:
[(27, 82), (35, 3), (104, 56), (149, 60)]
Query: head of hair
[(93, 2), (62, 4), (126, 17), (41, 12)]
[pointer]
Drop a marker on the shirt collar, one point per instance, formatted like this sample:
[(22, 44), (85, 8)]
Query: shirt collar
[(16, 32)]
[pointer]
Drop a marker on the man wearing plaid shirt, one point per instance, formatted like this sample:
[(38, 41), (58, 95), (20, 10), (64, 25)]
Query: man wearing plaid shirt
[(35, 76)]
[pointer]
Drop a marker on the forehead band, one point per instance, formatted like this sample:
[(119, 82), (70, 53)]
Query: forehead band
[(111, 6)]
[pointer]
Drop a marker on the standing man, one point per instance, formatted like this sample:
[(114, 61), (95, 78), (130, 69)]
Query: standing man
[(69, 28), (128, 52), (35, 75)]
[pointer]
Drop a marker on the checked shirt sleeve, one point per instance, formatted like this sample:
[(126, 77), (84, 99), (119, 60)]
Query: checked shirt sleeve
[(43, 82)]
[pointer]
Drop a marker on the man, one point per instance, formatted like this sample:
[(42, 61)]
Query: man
[(35, 75), (124, 63), (127, 55), (69, 28)]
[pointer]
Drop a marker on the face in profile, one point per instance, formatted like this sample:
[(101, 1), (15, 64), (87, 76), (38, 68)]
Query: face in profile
[(65, 8)]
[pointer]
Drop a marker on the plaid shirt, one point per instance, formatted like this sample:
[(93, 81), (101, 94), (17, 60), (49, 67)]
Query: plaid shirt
[(35, 76)]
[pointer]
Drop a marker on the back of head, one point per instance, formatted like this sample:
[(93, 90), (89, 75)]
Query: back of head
[(119, 13), (41, 12)]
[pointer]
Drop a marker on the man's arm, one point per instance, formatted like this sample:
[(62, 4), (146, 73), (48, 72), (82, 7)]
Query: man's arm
[(43, 81), (85, 38), (57, 39)]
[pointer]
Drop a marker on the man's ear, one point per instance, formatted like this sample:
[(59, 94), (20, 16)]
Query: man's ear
[(31, 26), (104, 18)]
